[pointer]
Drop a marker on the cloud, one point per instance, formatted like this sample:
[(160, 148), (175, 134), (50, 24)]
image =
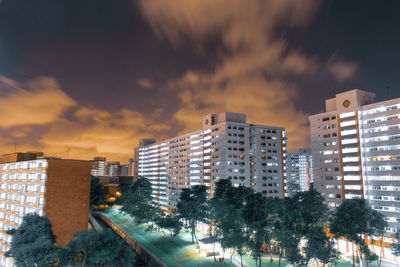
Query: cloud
[(253, 73), (40, 103), (36, 119), (105, 132), (342, 69), (145, 83), (265, 101)]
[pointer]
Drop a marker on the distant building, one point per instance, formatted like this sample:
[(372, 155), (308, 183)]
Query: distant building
[(298, 171), (226, 147), (19, 156), (57, 188), (131, 167), (356, 152), (124, 170), (98, 166), (113, 168)]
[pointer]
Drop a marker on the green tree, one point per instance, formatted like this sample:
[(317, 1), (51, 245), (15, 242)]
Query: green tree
[(32, 243), (312, 208), (319, 246), (138, 203), (192, 207), (314, 213), (103, 248), (289, 230), (256, 214), (226, 208), (170, 222), (218, 208), (97, 192), (353, 219)]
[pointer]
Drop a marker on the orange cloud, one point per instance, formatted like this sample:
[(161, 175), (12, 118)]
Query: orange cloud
[(266, 102), (40, 103), (105, 132), (145, 83), (239, 82), (86, 133)]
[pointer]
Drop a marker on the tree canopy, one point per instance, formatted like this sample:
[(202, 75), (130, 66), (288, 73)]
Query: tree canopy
[(354, 219), (137, 202), (97, 192), (102, 248), (32, 243), (193, 206)]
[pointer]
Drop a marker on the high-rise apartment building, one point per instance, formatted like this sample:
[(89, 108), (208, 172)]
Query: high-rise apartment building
[(124, 170), (98, 166), (131, 167), (298, 171), (113, 168), (226, 147), (356, 152), (57, 188)]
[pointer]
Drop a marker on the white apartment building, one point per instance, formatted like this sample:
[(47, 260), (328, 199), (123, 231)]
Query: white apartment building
[(98, 166), (58, 189), (298, 171), (226, 147), (356, 152)]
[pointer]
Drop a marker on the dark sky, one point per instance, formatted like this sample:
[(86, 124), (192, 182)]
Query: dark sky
[(112, 56)]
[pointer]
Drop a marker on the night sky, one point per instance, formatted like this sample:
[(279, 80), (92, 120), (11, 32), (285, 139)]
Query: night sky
[(85, 78)]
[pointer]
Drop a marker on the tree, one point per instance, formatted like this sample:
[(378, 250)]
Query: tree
[(314, 213), (354, 219), (170, 222), (192, 207), (32, 243), (226, 209), (97, 192), (218, 209), (312, 207), (258, 227), (142, 186), (103, 248), (319, 246), (289, 230), (138, 203)]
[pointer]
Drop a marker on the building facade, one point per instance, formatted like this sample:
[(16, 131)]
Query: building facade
[(98, 166), (131, 167), (226, 147), (124, 170), (59, 189), (356, 152), (113, 168), (299, 171)]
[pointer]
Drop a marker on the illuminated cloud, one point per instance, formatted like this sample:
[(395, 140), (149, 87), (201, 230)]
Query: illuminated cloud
[(104, 132), (251, 76), (342, 69), (40, 103), (35, 118), (145, 83)]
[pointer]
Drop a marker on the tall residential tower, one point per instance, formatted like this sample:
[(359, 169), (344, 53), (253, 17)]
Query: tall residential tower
[(226, 147), (299, 171), (356, 152)]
